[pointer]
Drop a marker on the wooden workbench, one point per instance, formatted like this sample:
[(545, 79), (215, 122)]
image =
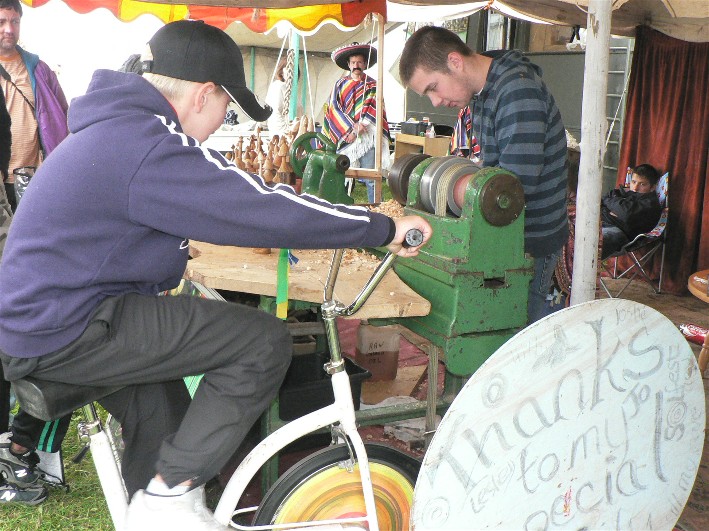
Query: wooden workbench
[(243, 270)]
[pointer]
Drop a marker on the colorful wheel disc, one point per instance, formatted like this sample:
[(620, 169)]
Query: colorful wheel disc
[(334, 492)]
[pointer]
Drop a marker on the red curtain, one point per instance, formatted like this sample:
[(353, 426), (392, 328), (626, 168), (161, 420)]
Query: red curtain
[(667, 125)]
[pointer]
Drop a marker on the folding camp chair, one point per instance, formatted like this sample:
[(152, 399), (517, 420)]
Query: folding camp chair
[(642, 248)]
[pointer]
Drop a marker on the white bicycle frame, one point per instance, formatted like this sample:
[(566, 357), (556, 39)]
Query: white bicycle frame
[(106, 462), (342, 411)]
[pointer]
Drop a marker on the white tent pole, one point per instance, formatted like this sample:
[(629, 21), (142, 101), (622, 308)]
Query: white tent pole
[(380, 106), (593, 129)]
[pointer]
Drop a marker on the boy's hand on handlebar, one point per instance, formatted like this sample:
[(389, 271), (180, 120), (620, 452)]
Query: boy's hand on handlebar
[(403, 225)]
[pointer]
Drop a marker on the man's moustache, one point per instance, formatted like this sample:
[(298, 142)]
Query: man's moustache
[(355, 69)]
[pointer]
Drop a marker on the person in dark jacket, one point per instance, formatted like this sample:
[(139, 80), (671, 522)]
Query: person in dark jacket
[(518, 126), (136, 185), (5, 218), (627, 212), (25, 460), (10, 491)]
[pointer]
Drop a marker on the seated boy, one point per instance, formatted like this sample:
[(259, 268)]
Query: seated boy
[(625, 213)]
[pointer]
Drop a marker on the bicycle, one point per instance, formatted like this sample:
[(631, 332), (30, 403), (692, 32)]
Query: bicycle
[(368, 476)]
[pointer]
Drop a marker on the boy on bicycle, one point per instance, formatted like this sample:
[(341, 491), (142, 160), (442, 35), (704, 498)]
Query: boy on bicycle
[(105, 226)]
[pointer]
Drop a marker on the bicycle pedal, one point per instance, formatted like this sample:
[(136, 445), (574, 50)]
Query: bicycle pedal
[(80, 455), (54, 485)]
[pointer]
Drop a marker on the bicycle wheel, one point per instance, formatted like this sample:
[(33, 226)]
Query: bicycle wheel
[(318, 488)]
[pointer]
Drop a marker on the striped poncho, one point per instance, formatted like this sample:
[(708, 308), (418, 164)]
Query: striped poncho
[(351, 101), (463, 142)]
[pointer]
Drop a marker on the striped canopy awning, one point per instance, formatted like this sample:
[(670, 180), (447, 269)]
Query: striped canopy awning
[(258, 19)]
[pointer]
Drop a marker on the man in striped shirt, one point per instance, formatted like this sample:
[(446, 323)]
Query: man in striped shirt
[(518, 126)]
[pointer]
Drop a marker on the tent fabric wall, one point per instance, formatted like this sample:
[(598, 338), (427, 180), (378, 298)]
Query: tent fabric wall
[(682, 19), (667, 125), (322, 74)]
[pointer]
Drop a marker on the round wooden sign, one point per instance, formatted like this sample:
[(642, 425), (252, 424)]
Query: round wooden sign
[(592, 418)]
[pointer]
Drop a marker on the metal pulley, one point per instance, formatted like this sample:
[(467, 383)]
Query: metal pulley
[(443, 184), (398, 178), (440, 179)]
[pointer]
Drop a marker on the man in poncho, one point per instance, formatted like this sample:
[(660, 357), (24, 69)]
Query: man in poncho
[(350, 118)]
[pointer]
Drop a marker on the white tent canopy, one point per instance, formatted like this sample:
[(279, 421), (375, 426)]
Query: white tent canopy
[(683, 19)]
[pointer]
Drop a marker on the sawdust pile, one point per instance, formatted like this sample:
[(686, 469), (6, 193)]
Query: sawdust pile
[(352, 259), (355, 259), (390, 208)]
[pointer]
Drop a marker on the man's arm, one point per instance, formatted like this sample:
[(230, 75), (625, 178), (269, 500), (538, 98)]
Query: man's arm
[(51, 108), (55, 88), (5, 144), (520, 130)]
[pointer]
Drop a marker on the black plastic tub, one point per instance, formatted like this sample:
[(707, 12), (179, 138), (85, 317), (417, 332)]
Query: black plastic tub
[(307, 386)]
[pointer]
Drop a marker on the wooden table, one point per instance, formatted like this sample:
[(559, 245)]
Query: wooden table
[(436, 147), (698, 285), (243, 270)]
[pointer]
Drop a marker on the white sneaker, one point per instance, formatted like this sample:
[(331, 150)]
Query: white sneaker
[(148, 512)]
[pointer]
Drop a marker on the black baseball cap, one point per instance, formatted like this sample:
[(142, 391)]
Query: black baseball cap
[(195, 51)]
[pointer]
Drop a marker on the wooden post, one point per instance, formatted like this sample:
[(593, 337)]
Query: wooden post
[(593, 129), (252, 59)]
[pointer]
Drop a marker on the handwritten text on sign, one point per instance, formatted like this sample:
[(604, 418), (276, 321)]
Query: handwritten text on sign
[(593, 417)]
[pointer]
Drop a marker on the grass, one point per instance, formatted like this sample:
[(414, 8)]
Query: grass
[(82, 508), (359, 193)]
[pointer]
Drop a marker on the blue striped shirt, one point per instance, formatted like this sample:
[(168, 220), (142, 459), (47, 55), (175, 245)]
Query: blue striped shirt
[(519, 128)]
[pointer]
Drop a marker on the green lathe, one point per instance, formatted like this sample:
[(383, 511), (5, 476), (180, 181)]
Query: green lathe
[(474, 270), (323, 170)]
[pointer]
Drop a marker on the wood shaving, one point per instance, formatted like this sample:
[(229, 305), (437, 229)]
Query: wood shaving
[(390, 208), (352, 259), (355, 259)]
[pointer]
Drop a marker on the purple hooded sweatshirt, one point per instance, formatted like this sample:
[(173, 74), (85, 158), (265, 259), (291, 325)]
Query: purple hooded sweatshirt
[(114, 207)]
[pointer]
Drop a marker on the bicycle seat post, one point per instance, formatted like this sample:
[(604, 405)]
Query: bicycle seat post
[(330, 310)]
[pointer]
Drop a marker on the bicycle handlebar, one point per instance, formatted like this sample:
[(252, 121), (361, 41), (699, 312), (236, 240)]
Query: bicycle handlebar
[(412, 238)]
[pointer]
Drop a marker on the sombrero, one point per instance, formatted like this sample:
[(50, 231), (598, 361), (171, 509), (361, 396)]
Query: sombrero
[(341, 55)]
